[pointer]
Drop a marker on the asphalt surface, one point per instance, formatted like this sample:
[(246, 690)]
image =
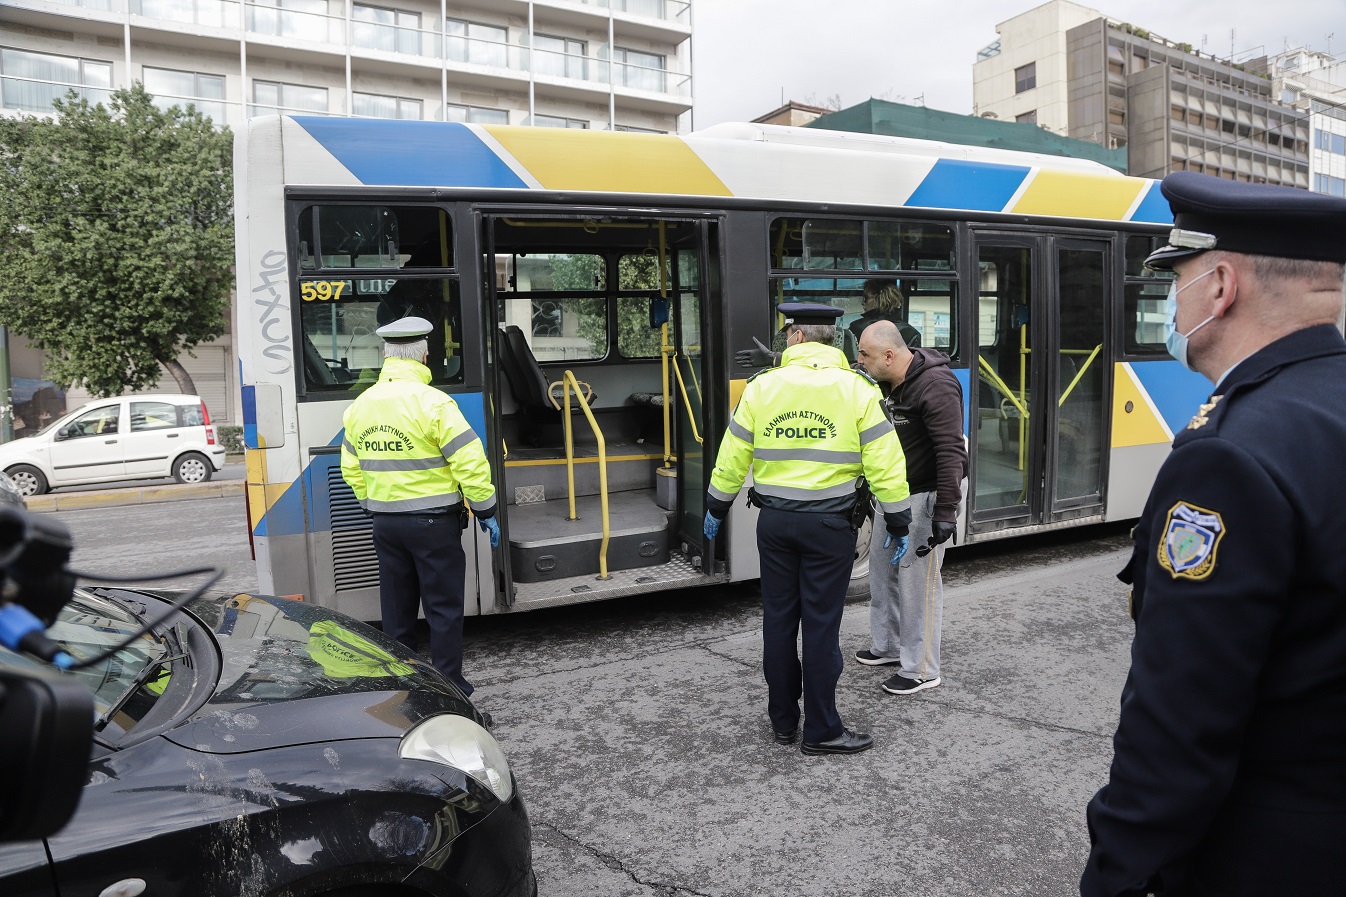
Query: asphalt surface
[(638, 733)]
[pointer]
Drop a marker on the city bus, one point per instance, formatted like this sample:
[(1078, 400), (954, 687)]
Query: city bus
[(589, 290)]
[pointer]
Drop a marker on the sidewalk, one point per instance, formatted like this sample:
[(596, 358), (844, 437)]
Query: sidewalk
[(226, 483)]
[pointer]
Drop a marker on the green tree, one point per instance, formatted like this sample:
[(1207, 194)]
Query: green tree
[(116, 238)]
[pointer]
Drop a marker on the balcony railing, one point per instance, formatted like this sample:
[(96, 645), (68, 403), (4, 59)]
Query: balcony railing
[(215, 13), (669, 10), (36, 95)]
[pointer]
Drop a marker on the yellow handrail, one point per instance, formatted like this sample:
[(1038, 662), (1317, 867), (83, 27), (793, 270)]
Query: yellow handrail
[(994, 379), (1084, 367), (569, 382), (687, 403)]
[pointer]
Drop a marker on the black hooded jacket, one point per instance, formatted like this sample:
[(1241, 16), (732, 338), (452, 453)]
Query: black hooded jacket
[(927, 411)]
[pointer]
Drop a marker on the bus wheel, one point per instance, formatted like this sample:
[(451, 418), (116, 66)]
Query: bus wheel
[(859, 584)]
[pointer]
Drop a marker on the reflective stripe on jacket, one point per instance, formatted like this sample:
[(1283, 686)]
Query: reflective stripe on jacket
[(810, 428), (408, 448)]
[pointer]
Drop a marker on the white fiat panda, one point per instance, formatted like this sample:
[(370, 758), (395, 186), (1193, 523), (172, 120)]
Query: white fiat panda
[(127, 438)]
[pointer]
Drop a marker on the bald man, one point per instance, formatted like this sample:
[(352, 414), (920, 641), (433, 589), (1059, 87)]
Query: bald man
[(906, 599)]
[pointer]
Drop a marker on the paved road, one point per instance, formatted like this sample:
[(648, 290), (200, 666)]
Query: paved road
[(638, 732)]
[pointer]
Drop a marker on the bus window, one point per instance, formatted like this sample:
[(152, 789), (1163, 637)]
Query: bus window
[(639, 273), (908, 246), (817, 244), (342, 352), (1143, 308), (988, 305), (559, 301), (354, 236)]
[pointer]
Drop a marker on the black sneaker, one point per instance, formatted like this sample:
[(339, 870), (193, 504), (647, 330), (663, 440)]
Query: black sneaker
[(870, 659), (901, 685)]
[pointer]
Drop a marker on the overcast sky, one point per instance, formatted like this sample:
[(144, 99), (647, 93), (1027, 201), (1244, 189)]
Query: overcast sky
[(747, 52)]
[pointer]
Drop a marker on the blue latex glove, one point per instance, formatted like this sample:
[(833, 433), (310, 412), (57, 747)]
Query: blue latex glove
[(711, 527), (492, 526), (902, 544)]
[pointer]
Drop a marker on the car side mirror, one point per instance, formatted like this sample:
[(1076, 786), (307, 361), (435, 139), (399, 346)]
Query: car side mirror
[(46, 735), (65, 432)]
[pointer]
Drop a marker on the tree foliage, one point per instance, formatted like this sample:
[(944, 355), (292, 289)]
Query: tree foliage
[(116, 237)]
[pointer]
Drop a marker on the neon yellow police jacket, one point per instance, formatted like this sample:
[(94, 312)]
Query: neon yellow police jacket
[(810, 428), (408, 448)]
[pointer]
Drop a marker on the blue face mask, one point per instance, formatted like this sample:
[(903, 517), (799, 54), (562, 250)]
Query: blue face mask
[(1176, 342)]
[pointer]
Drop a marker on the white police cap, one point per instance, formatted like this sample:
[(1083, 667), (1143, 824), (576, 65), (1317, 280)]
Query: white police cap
[(405, 330)]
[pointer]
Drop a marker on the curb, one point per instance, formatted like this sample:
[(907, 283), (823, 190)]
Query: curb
[(133, 495)]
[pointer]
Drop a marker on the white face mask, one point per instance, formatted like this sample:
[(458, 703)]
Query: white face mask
[(1176, 342)]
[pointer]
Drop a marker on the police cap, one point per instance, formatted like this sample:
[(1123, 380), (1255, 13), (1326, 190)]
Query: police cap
[(1260, 219), (405, 330), (808, 313)]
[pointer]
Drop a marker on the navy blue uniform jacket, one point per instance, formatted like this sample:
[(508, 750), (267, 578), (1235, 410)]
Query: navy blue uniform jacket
[(1229, 772)]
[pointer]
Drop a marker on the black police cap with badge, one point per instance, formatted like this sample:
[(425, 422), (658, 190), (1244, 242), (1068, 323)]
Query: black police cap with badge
[(805, 313), (1257, 219)]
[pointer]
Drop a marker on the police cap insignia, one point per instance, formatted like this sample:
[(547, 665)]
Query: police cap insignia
[(1191, 539), (1261, 219)]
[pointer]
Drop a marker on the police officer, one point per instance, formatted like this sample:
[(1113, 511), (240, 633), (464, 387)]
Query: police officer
[(411, 458), (1229, 771), (809, 428)]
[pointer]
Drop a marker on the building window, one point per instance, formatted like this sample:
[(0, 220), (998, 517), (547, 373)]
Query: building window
[(30, 81), (198, 13), (477, 43), (1027, 118), (556, 121), (634, 130), (643, 71), (368, 105), (560, 56), (1323, 183), (394, 30), (1329, 142), (476, 115), (172, 88), (272, 96), (1026, 77), (293, 18)]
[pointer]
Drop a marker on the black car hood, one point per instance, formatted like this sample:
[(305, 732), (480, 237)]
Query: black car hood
[(295, 673)]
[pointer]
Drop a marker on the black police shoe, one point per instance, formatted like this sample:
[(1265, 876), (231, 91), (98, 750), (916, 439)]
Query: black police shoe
[(786, 737), (847, 742)]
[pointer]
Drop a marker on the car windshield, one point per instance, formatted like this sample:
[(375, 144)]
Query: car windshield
[(69, 415), (87, 627)]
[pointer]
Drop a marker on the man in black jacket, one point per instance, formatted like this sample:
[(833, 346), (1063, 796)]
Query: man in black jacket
[(1229, 769), (906, 596)]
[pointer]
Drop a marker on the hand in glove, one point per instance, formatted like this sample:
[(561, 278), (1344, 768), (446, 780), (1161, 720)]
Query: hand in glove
[(902, 543), (755, 358), (712, 525), (492, 526), (941, 532)]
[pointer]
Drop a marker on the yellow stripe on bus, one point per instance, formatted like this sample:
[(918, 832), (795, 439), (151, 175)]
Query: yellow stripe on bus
[(612, 162), (1142, 425), (1069, 194)]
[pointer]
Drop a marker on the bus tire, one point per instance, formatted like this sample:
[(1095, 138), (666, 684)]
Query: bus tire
[(858, 588), (29, 479), (192, 468)]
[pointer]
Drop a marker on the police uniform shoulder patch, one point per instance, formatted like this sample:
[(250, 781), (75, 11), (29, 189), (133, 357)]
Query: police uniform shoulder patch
[(1191, 541)]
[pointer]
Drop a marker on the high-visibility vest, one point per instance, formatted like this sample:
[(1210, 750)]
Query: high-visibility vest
[(408, 448), (810, 428)]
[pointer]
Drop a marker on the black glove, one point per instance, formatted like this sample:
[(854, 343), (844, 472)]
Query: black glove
[(941, 532), (755, 358)]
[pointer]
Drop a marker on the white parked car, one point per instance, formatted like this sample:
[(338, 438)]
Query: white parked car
[(126, 438)]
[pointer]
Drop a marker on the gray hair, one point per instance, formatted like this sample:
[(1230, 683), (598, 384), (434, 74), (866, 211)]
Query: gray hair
[(1322, 275), (817, 333), (415, 350)]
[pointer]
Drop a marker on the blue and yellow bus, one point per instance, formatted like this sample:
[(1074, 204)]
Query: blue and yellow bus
[(589, 290)]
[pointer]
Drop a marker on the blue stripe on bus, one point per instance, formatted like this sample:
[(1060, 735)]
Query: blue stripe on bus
[(249, 416), (979, 186), (1153, 208), (964, 376), (1174, 390), (411, 153)]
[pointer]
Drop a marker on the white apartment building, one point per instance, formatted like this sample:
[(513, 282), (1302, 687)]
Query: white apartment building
[(604, 64), (1315, 83)]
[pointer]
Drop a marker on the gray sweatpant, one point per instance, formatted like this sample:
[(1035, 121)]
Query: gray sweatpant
[(906, 602)]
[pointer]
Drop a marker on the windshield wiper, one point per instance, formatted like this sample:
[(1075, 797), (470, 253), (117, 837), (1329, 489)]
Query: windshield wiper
[(136, 684)]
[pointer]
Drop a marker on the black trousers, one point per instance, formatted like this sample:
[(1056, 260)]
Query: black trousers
[(421, 565), (806, 567)]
